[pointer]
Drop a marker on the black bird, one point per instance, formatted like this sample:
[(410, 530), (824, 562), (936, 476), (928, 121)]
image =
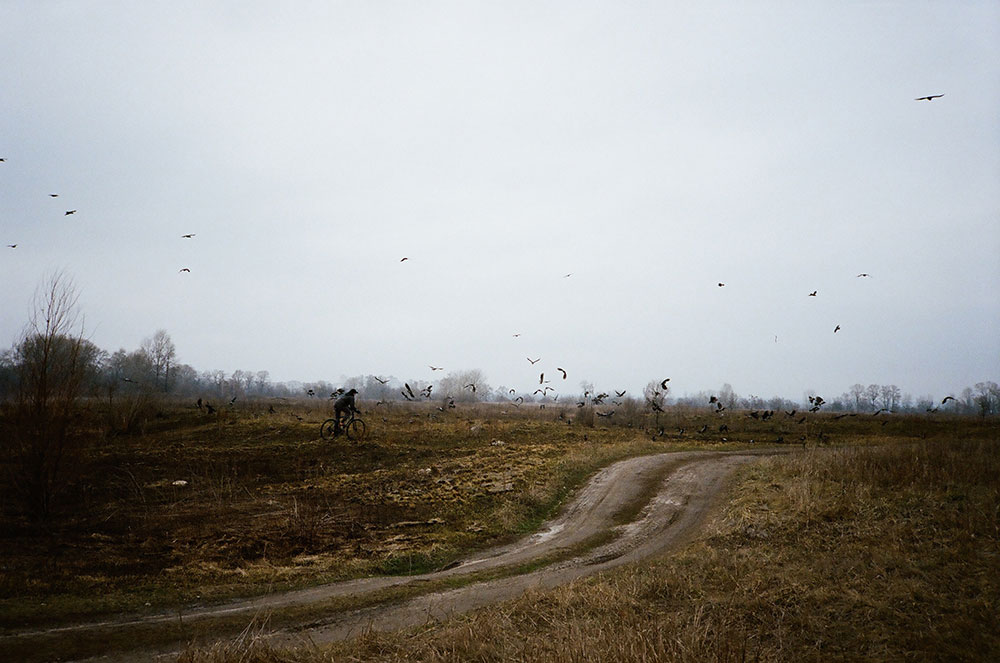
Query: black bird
[(199, 403), (380, 380), (946, 399), (713, 399), (563, 372), (930, 97), (12, 246), (533, 361), (663, 385), (402, 259), (813, 293), (53, 195), (72, 211), (208, 406), (836, 329), (722, 285), (620, 393), (471, 386), (183, 269), (863, 275), (188, 236), (232, 401), (410, 391), (541, 378), (310, 392), (516, 335)]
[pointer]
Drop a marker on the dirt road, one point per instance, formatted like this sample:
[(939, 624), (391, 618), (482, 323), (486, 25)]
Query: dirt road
[(627, 512)]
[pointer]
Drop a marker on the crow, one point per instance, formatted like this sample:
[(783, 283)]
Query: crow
[(836, 329), (563, 372), (946, 399), (402, 259), (930, 97), (663, 384), (813, 293), (72, 211), (183, 269)]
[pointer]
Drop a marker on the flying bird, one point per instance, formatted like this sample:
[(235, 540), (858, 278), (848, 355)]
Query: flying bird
[(568, 275), (471, 386), (183, 269), (946, 399), (541, 378), (863, 275), (68, 212), (380, 380), (53, 195), (620, 393), (516, 335), (930, 97), (188, 236), (813, 293), (562, 371), (408, 389), (533, 361), (403, 259), (436, 368), (663, 385), (12, 246), (722, 285), (836, 329)]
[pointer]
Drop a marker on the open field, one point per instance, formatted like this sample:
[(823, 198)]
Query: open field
[(267, 506)]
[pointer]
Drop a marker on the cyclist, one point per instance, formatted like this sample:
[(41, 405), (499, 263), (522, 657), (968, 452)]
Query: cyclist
[(343, 405)]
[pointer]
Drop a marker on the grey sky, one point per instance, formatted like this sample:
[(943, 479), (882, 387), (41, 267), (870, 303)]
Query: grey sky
[(651, 150)]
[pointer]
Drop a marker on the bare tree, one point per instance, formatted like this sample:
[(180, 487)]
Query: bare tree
[(161, 353), (872, 393), (51, 361)]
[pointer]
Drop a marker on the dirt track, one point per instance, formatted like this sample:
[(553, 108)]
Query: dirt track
[(661, 498)]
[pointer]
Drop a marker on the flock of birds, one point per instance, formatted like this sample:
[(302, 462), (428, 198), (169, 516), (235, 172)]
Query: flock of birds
[(544, 386)]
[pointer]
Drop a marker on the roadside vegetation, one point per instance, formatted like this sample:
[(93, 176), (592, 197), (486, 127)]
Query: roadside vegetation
[(887, 553)]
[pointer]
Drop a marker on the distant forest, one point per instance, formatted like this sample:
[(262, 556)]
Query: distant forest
[(153, 369)]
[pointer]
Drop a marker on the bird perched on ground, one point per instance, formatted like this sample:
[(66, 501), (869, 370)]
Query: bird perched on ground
[(68, 212), (188, 236), (930, 97), (533, 361)]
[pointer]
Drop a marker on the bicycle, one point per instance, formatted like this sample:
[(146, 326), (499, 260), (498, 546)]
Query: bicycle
[(353, 427)]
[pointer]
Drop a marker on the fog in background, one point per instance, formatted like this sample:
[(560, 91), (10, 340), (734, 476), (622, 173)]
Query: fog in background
[(650, 151)]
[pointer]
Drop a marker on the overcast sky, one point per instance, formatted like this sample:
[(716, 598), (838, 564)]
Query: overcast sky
[(651, 150)]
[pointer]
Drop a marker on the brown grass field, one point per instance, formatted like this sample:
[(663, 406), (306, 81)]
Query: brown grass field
[(876, 539)]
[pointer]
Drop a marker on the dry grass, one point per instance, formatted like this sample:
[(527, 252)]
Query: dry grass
[(847, 554), (268, 506)]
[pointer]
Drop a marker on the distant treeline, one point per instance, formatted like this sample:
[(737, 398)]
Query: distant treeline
[(153, 369)]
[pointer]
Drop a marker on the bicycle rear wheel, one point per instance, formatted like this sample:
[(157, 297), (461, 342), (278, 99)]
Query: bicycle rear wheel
[(356, 430), (327, 428)]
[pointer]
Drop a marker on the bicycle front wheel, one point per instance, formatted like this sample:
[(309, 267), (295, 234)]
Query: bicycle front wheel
[(356, 430), (327, 428)]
